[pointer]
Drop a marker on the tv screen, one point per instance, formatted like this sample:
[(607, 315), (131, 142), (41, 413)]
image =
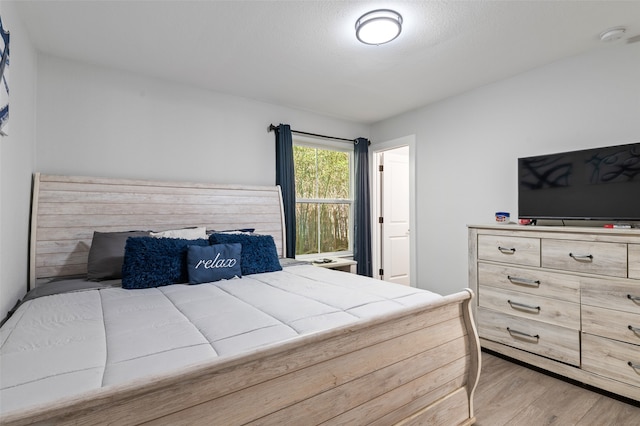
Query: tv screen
[(592, 184)]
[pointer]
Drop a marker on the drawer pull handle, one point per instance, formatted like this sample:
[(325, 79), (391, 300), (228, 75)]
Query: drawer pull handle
[(636, 330), (634, 366), (524, 281), (582, 257), (634, 298), (517, 305), (517, 333), (506, 250)]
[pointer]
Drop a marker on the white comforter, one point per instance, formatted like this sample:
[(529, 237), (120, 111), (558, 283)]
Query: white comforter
[(61, 345)]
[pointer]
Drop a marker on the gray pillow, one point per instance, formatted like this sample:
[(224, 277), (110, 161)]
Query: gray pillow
[(107, 254)]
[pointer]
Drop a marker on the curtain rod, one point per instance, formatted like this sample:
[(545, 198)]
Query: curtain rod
[(272, 128)]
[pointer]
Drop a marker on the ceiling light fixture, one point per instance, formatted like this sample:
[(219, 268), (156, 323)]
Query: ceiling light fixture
[(379, 26), (612, 34)]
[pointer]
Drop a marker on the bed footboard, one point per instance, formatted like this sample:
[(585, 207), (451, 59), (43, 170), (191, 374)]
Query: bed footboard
[(413, 367)]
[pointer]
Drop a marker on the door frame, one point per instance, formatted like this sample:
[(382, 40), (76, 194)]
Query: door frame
[(377, 148)]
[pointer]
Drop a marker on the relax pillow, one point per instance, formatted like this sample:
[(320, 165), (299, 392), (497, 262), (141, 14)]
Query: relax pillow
[(184, 233), (259, 253), (213, 263), (154, 262), (107, 254)]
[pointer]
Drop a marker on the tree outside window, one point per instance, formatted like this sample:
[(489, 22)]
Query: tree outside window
[(323, 199)]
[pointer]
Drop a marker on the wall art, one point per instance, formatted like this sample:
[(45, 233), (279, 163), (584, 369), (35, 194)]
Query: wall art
[(4, 80)]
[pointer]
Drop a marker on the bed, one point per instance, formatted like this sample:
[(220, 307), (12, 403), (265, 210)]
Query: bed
[(294, 345)]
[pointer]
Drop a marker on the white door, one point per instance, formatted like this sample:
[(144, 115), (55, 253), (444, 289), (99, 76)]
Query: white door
[(394, 178)]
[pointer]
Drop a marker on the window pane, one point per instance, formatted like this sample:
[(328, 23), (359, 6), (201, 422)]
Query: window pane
[(305, 164), (306, 228), (333, 174), (334, 227), (321, 173)]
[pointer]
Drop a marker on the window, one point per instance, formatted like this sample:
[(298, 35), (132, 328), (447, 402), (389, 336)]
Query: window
[(323, 198)]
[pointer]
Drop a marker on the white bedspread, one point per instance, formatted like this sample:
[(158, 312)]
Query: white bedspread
[(61, 345)]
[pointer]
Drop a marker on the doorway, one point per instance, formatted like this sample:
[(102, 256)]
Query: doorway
[(394, 207)]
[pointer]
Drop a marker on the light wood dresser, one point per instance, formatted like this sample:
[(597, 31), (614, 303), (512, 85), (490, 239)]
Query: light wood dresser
[(565, 299)]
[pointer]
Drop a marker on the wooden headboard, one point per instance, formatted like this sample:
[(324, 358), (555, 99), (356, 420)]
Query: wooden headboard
[(67, 209)]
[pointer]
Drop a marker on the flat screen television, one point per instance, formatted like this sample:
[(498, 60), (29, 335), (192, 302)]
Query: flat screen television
[(591, 184)]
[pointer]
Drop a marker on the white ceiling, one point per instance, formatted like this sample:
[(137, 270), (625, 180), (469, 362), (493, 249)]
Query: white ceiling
[(304, 54)]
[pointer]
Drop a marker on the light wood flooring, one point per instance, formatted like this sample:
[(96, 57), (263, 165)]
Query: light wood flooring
[(511, 394)]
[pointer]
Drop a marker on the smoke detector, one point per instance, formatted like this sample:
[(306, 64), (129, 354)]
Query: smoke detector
[(612, 34)]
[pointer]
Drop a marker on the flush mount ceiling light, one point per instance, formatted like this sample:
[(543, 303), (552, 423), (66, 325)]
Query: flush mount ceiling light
[(612, 34), (378, 26)]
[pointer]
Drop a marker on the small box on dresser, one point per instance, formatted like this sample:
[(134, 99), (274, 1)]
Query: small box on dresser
[(566, 299)]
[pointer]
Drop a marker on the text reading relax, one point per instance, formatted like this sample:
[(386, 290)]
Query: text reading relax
[(216, 263)]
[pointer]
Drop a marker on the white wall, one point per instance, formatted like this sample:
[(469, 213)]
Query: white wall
[(467, 146), (101, 122), (16, 159)]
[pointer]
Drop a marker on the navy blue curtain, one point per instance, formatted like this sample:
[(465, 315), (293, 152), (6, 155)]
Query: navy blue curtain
[(362, 209), (285, 177)]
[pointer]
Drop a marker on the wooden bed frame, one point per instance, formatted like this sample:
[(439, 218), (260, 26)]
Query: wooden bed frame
[(414, 367)]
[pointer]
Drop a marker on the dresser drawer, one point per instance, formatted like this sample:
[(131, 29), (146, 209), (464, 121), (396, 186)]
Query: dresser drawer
[(621, 295), (543, 339), (530, 281), (552, 311), (634, 261), (616, 325), (610, 358), (516, 250), (582, 256)]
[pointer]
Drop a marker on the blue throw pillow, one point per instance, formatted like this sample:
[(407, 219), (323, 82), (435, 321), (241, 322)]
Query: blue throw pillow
[(213, 263), (154, 262), (259, 253)]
